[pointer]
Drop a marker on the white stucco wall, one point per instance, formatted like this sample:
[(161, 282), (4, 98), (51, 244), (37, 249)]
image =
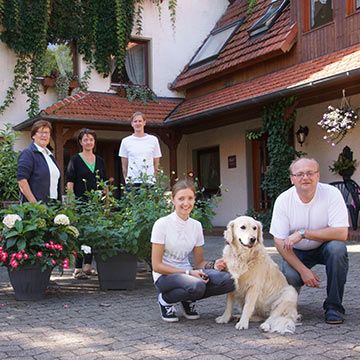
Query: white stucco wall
[(234, 182), (318, 148)]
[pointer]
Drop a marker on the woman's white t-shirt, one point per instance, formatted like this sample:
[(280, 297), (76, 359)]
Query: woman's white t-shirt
[(179, 238)]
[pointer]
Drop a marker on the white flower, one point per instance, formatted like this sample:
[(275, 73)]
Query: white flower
[(10, 219), (61, 219), (86, 249)]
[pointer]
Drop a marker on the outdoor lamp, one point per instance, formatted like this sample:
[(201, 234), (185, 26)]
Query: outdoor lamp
[(301, 134)]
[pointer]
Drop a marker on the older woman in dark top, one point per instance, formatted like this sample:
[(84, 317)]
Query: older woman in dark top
[(81, 175), (38, 174)]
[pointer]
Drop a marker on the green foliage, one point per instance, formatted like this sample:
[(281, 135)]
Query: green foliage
[(37, 234), (140, 92), (8, 164), (251, 6), (343, 164), (100, 29), (108, 225), (281, 154)]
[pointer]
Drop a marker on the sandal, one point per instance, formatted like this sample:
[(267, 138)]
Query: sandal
[(91, 272), (80, 275)]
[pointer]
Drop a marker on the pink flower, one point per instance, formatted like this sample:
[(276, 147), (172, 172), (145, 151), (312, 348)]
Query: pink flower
[(19, 255), (26, 256), (39, 254), (53, 262), (14, 264)]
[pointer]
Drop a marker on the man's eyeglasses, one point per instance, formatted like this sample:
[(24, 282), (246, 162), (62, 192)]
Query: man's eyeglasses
[(300, 175)]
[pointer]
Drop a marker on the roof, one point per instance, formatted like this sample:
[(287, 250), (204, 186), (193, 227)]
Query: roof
[(101, 107), (243, 50), (289, 79)]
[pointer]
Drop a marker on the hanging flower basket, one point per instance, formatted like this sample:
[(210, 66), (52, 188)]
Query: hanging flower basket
[(338, 121)]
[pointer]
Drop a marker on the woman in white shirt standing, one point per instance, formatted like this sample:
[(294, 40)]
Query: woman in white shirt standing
[(173, 238)]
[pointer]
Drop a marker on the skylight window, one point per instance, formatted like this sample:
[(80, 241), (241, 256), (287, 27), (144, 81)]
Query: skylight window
[(267, 21), (214, 44)]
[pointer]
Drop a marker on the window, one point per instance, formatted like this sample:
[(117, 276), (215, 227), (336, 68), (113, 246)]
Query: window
[(358, 4), (208, 169), (267, 21), (136, 65), (59, 61), (214, 44), (321, 12)]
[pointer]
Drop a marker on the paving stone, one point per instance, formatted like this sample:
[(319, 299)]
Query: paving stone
[(131, 327)]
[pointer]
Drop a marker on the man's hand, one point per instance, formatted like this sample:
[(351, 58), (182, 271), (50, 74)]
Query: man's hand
[(290, 241), (310, 278)]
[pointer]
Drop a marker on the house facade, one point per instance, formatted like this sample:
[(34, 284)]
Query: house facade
[(213, 76)]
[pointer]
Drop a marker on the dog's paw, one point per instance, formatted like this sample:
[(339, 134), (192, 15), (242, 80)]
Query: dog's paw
[(223, 319), (265, 327), (242, 325)]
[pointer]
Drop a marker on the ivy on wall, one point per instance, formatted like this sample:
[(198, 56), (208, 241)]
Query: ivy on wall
[(277, 121), (100, 30)]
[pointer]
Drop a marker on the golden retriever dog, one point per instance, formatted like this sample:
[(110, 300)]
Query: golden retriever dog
[(260, 287)]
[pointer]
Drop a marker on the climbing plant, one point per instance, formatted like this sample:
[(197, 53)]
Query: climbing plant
[(277, 121), (100, 30)]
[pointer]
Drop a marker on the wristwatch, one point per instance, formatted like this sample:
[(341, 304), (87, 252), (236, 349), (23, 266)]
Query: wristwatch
[(302, 233)]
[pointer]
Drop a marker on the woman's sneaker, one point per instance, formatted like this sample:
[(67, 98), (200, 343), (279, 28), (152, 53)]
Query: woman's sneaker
[(189, 310), (168, 313)]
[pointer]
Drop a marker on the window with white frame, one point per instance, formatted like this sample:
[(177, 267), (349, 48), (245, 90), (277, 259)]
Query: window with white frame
[(215, 43), (136, 65), (358, 4), (321, 12), (268, 19)]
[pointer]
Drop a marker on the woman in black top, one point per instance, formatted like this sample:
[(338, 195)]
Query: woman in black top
[(82, 170)]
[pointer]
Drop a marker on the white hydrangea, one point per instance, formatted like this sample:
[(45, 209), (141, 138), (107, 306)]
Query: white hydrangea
[(86, 249), (61, 219), (10, 219)]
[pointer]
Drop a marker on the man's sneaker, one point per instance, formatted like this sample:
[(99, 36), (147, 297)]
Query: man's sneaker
[(190, 310), (333, 316), (168, 313)]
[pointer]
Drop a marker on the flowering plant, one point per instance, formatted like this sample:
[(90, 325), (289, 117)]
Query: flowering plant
[(37, 234), (337, 122)]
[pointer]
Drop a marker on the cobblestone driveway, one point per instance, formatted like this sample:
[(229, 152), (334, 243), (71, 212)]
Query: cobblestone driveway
[(77, 321)]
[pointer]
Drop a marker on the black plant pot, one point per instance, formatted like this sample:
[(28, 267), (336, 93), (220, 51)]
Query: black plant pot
[(117, 272), (29, 282), (347, 173)]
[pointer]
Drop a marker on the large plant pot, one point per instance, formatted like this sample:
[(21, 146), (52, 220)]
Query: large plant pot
[(117, 272), (29, 282), (347, 173)]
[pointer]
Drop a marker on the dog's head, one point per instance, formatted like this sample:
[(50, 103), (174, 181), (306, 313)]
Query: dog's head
[(245, 230)]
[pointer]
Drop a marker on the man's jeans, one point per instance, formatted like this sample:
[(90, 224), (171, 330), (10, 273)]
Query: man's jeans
[(181, 287), (333, 255)]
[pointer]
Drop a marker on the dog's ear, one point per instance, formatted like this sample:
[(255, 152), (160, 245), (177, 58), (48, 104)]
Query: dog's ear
[(260, 232), (228, 233)]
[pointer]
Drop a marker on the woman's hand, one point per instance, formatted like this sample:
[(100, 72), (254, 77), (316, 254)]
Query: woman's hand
[(199, 274), (220, 265)]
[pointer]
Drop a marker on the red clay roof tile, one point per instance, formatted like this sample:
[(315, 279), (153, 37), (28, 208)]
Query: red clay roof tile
[(326, 66), (241, 49), (96, 106)]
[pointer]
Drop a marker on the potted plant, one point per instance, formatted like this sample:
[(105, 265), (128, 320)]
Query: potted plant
[(345, 165), (34, 239), (9, 190), (120, 230), (338, 121), (116, 266)]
